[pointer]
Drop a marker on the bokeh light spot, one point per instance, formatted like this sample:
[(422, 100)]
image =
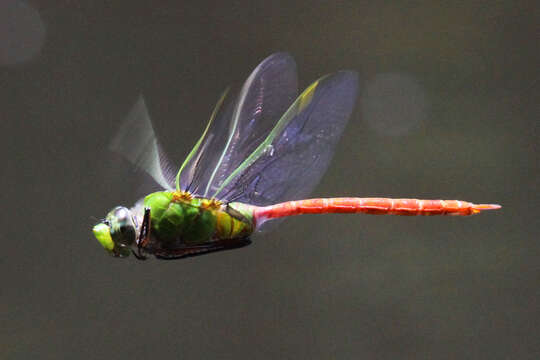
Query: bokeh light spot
[(22, 32)]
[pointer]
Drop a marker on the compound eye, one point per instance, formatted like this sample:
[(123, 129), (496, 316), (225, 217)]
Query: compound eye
[(121, 214), (122, 229)]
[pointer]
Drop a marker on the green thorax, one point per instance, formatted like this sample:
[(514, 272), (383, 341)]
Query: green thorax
[(179, 217)]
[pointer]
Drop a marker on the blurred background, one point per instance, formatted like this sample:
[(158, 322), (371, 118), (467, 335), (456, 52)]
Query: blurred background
[(448, 108)]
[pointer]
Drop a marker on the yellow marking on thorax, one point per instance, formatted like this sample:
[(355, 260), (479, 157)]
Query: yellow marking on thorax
[(228, 227), (211, 204), (182, 196), (224, 225)]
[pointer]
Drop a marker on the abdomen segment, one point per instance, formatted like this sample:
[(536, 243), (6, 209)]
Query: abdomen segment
[(376, 206)]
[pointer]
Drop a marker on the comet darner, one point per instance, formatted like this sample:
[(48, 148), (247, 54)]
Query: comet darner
[(259, 151)]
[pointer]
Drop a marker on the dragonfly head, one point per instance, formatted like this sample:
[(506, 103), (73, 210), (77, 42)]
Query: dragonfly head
[(117, 232)]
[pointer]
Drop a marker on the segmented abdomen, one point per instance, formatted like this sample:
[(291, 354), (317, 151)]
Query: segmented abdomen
[(377, 206)]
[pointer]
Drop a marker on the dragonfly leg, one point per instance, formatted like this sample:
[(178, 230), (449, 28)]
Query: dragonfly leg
[(144, 235), (138, 255), (201, 250)]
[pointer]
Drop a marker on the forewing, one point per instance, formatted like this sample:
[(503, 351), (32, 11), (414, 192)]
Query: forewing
[(197, 166), (240, 123), (136, 141), (291, 161)]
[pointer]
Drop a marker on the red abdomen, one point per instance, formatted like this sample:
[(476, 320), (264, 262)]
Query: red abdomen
[(376, 206)]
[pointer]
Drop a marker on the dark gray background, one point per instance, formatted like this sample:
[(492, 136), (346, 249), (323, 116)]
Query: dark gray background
[(448, 109)]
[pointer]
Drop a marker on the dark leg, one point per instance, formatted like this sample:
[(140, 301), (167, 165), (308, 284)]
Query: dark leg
[(203, 249), (144, 235)]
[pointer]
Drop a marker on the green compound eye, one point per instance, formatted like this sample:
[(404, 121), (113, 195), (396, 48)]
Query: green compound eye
[(103, 235)]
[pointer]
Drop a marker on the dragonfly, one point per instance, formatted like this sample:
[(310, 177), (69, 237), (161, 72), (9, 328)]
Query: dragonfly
[(262, 152)]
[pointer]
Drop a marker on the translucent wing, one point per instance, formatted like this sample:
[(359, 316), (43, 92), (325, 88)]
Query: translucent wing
[(136, 141), (197, 167), (239, 124), (289, 163)]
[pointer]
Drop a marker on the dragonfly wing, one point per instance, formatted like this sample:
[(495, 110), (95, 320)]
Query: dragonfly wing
[(239, 124), (289, 163), (196, 169), (136, 141)]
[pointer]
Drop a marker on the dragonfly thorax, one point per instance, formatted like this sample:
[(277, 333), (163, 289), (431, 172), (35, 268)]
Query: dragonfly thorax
[(179, 219)]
